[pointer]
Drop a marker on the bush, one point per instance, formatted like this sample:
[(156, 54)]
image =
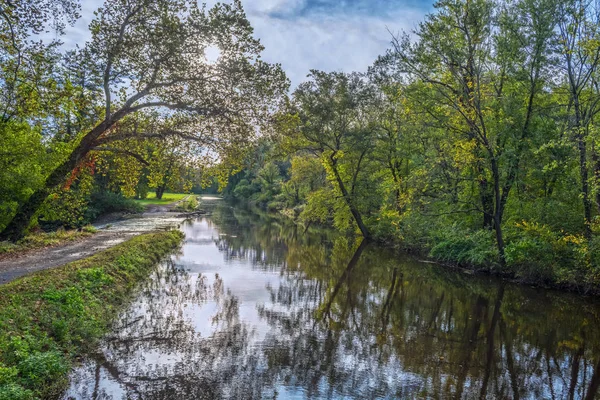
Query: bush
[(537, 253), (456, 244), (103, 202), (42, 367), (13, 391), (191, 204), (387, 225)]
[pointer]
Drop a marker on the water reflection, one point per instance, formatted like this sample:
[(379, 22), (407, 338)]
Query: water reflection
[(254, 308)]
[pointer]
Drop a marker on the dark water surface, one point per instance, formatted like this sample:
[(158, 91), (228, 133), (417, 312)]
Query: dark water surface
[(252, 308)]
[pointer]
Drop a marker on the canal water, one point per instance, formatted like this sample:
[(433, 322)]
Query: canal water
[(253, 308)]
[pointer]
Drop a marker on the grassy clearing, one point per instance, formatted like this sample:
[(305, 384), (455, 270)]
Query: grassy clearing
[(50, 317), (166, 199), (43, 239)]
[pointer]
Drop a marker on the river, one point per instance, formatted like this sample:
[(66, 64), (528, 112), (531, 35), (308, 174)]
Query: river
[(254, 308)]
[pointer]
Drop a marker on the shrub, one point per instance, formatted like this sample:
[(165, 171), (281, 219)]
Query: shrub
[(537, 253), (41, 368), (13, 391), (103, 202), (462, 246), (191, 204), (387, 225)]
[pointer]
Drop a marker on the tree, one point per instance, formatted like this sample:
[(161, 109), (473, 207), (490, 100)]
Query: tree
[(169, 159), (579, 39), (27, 65), (484, 85), (151, 55), (334, 123)]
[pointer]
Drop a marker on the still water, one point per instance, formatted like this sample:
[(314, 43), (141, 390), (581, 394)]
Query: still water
[(252, 308)]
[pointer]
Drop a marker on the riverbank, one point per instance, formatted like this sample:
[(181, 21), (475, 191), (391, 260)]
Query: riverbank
[(51, 317), (535, 255)]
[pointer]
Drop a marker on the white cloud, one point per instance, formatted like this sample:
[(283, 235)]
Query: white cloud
[(346, 42), (331, 36), (286, 7)]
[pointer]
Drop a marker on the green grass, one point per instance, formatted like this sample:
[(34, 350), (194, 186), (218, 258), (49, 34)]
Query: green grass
[(51, 317), (191, 204), (43, 239), (166, 199)]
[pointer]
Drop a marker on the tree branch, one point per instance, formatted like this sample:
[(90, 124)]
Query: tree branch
[(122, 151)]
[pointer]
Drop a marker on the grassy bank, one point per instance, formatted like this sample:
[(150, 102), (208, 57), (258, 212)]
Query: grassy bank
[(534, 253), (44, 239), (50, 317), (167, 198)]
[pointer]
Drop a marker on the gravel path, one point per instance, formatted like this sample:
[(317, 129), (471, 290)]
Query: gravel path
[(36, 260), (108, 235)]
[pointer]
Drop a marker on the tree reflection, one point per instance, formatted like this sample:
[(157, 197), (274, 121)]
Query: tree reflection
[(343, 319)]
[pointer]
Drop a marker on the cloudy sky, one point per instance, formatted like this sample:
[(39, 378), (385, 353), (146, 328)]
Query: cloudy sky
[(330, 35)]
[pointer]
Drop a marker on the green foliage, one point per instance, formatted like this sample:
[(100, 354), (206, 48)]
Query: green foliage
[(538, 253), (103, 202), (483, 117), (22, 164), (464, 246), (69, 207), (190, 204), (13, 391), (63, 111), (38, 369), (49, 318)]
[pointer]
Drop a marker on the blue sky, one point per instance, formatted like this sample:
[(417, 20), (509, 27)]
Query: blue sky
[(330, 35)]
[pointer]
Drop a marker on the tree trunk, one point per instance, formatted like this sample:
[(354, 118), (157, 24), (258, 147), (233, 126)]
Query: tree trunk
[(498, 212), (596, 159), (487, 203), (585, 190), (355, 213), (19, 224), (397, 183), (160, 190)]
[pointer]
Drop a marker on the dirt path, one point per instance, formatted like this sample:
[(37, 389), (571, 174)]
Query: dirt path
[(36, 260), (109, 234)]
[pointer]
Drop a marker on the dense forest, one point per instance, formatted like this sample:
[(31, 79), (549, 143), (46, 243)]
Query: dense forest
[(471, 140)]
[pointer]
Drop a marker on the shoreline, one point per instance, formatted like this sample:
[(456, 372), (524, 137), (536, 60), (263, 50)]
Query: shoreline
[(51, 317), (584, 290)]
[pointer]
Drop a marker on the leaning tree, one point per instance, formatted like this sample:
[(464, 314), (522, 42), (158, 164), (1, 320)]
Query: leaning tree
[(199, 68)]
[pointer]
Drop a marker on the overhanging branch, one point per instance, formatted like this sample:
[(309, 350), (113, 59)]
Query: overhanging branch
[(122, 151)]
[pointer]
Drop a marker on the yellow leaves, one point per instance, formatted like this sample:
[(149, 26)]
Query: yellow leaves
[(461, 152), (577, 240), (571, 344)]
